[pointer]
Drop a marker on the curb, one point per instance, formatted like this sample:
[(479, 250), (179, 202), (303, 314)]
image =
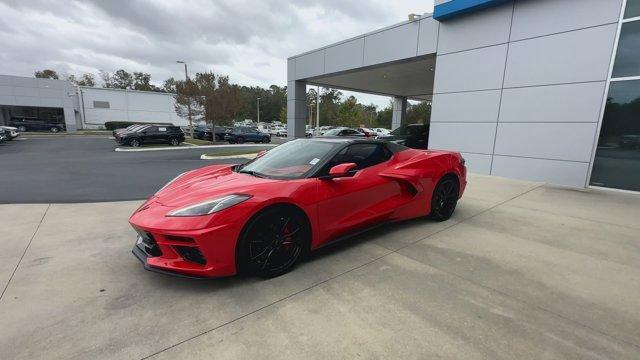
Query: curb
[(241, 156), (193, 147)]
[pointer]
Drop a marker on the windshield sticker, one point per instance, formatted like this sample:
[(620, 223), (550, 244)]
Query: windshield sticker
[(314, 161)]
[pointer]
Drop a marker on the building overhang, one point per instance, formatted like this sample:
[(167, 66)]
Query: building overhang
[(449, 9)]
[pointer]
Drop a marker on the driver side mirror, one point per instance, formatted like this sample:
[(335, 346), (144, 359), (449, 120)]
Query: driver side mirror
[(342, 170)]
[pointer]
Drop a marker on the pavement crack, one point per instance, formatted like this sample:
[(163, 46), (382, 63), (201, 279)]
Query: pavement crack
[(24, 252)]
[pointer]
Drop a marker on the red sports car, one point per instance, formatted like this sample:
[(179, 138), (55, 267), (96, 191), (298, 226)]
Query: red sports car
[(263, 216)]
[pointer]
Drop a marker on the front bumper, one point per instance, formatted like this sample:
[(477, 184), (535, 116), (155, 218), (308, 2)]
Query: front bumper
[(199, 247), (142, 255)]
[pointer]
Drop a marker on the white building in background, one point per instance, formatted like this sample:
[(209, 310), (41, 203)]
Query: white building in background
[(544, 90), (82, 107), (99, 105)]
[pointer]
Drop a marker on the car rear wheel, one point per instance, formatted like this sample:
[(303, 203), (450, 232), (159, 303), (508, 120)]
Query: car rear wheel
[(174, 142), (273, 242), (22, 128), (134, 143), (54, 129), (445, 198)]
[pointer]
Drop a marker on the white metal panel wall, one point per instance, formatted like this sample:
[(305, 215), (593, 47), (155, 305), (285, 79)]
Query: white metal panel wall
[(555, 67), (474, 31), (392, 44), (345, 56)]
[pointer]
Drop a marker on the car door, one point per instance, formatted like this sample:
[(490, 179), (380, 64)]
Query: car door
[(348, 204)]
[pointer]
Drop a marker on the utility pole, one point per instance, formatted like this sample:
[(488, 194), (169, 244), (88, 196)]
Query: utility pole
[(186, 76), (318, 109), (258, 109)]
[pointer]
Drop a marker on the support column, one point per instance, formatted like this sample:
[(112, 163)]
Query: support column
[(399, 111), (296, 109)]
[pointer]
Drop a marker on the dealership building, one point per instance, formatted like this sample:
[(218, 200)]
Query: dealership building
[(544, 90), (81, 107)]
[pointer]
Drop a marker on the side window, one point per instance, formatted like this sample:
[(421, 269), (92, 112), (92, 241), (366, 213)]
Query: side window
[(364, 155)]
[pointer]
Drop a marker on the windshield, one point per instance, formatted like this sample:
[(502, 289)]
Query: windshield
[(290, 160)]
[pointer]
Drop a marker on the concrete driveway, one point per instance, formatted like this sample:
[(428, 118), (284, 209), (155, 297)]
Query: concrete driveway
[(522, 271)]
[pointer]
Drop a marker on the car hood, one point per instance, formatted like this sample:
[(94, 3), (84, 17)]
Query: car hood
[(10, 128), (209, 183)]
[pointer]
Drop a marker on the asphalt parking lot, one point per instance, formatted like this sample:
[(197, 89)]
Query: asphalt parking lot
[(63, 169), (522, 271)]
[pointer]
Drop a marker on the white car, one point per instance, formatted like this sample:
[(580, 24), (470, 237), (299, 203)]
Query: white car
[(11, 132), (381, 131)]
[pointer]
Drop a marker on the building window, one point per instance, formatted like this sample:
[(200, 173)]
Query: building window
[(633, 9), (101, 104), (628, 57), (617, 161)]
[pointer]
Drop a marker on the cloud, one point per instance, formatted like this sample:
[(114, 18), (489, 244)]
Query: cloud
[(247, 40)]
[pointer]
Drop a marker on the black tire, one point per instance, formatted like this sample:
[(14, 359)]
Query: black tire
[(133, 142), (231, 142), (266, 140), (54, 129), (240, 140), (445, 198), (174, 141), (273, 242), (22, 128)]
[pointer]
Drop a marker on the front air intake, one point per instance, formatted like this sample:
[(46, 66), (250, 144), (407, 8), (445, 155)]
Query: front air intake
[(191, 254)]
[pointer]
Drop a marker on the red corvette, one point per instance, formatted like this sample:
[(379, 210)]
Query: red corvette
[(261, 217)]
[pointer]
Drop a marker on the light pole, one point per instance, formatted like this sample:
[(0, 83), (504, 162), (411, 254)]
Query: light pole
[(318, 109), (258, 110), (186, 76)]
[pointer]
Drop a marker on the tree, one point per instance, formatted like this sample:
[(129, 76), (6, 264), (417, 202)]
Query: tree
[(85, 80), (169, 85), (119, 80), (46, 74), (142, 82)]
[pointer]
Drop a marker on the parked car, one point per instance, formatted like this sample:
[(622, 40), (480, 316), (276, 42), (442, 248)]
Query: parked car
[(34, 124), (241, 135), (152, 134), (3, 135), (261, 217), (343, 132), (413, 135), (279, 131), (381, 131), (128, 128), (200, 130), (10, 132), (367, 132), (220, 131)]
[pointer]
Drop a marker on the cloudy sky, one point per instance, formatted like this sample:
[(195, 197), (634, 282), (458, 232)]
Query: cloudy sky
[(247, 40)]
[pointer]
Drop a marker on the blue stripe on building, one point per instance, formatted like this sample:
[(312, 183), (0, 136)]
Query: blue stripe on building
[(455, 8)]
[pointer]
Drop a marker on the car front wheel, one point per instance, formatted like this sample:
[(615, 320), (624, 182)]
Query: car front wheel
[(240, 140), (22, 128), (273, 242), (54, 129), (174, 142), (134, 143), (445, 198), (266, 140)]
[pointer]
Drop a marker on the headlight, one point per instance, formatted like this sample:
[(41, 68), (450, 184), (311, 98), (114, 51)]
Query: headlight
[(210, 206), (171, 182)]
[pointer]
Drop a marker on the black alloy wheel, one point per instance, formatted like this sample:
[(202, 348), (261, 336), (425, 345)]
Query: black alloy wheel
[(273, 242), (266, 140), (134, 143), (174, 142), (22, 128), (54, 129), (240, 140), (445, 198)]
